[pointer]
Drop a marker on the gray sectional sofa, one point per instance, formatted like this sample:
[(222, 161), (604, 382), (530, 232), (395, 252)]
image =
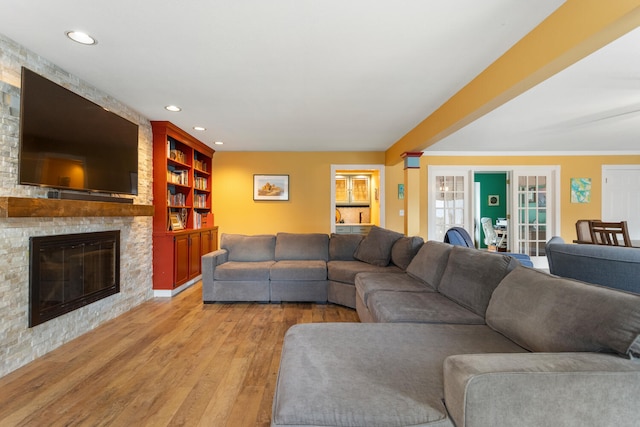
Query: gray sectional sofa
[(469, 339), (612, 266), (301, 267)]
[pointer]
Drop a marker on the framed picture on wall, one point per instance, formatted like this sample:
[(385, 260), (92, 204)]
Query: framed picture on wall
[(494, 200), (270, 187)]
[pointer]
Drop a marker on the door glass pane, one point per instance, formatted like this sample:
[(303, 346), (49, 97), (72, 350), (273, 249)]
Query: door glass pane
[(450, 207), (532, 214)]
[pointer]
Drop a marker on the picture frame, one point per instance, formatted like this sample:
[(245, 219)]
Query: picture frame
[(493, 200), (175, 222), (271, 187)]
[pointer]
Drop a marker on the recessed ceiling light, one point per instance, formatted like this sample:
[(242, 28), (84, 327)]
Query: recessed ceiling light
[(80, 37), (200, 128), (173, 108), (218, 143)]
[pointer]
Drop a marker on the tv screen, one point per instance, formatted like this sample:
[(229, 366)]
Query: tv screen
[(69, 142)]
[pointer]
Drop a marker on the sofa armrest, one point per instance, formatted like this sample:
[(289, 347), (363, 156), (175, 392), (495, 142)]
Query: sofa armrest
[(537, 389), (210, 261)]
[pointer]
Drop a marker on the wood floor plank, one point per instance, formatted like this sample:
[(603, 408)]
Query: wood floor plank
[(169, 362)]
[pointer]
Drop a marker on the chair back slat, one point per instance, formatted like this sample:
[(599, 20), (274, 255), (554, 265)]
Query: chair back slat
[(610, 233)]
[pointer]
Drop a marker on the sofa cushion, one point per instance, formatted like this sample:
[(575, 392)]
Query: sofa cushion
[(345, 271), (375, 248), (404, 249), (376, 374), (472, 275), (245, 270), (343, 246), (248, 248), (419, 307), (299, 270), (370, 282), (544, 313), (430, 262), (302, 246)]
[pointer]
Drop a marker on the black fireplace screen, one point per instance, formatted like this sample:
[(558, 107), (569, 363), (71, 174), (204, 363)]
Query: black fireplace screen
[(70, 271)]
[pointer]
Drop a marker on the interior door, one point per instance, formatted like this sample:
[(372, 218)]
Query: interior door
[(621, 196), (533, 218), (450, 201)]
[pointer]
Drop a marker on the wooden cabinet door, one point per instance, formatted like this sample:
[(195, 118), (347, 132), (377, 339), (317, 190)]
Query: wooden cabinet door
[(342, 190), (181, 259), (206, 242), (194, 254), (360, 190)]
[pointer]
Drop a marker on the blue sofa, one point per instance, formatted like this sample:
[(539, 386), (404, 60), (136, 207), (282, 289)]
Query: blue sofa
[(612, 266)]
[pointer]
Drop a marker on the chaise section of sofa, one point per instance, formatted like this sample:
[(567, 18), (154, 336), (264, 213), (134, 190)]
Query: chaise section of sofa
[(553, 351)]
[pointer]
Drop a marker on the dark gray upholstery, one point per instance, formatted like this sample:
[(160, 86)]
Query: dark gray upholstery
[(248, 248), (343, 246), (297, 246), (472, 275), (372, 374), (612, 266), (404, 249), (294, 266), (429, 263), (376, 247), (552, 314), (419, 307), (431, 348)]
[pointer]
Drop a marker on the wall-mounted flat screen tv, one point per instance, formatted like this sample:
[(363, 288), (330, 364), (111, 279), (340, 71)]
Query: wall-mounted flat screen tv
[(68, 142)]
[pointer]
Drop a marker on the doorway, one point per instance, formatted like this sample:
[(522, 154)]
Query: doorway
[(531, 203), (621, 196), (373, 211)]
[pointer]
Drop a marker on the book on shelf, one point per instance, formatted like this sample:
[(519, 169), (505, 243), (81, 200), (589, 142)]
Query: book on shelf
[(200, 182), (178, 177)]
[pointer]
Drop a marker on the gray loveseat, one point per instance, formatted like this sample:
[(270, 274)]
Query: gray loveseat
[(465, 338), (613, 266), (311, 267)]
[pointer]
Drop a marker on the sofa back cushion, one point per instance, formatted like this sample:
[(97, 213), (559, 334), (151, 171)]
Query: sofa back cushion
[(343, 246), (612, 266), (375, 248), (545, 313), (302, 246), (404, 249), (249, 248), (471, 276), (430, 262)]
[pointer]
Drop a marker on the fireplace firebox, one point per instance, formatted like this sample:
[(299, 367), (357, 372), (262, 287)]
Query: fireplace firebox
[(69, 271)]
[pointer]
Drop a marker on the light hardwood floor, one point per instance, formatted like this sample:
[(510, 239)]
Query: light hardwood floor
[(168, 362)]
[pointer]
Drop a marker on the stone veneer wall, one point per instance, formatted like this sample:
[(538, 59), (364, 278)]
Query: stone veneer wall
[(20, 344)]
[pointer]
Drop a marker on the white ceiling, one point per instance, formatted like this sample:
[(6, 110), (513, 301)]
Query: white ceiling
[(329, 75), (591, 106)]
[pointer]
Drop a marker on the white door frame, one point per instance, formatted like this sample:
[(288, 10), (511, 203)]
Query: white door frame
[(554, 186), (334, 169)]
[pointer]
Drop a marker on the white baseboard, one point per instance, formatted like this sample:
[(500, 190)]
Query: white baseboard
[(168, 293)]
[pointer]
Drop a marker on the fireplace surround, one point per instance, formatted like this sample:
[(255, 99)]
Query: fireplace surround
[(69, 271)]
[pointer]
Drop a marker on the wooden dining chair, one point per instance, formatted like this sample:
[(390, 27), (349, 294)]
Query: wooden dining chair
[(583, 231), (610, 233)]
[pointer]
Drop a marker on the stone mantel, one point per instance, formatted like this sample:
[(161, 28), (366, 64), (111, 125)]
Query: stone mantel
[(24, 207)]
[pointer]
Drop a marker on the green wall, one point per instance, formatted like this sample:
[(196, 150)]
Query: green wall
[(492, 183)]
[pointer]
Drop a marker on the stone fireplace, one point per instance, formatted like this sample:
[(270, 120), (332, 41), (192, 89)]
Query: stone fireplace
[(69, 271)]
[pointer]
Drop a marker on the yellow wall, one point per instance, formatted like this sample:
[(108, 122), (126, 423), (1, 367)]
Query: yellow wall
[(570, 167), (309, 206)]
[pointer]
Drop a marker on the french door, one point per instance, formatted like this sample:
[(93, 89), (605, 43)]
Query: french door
[(533, 200)]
